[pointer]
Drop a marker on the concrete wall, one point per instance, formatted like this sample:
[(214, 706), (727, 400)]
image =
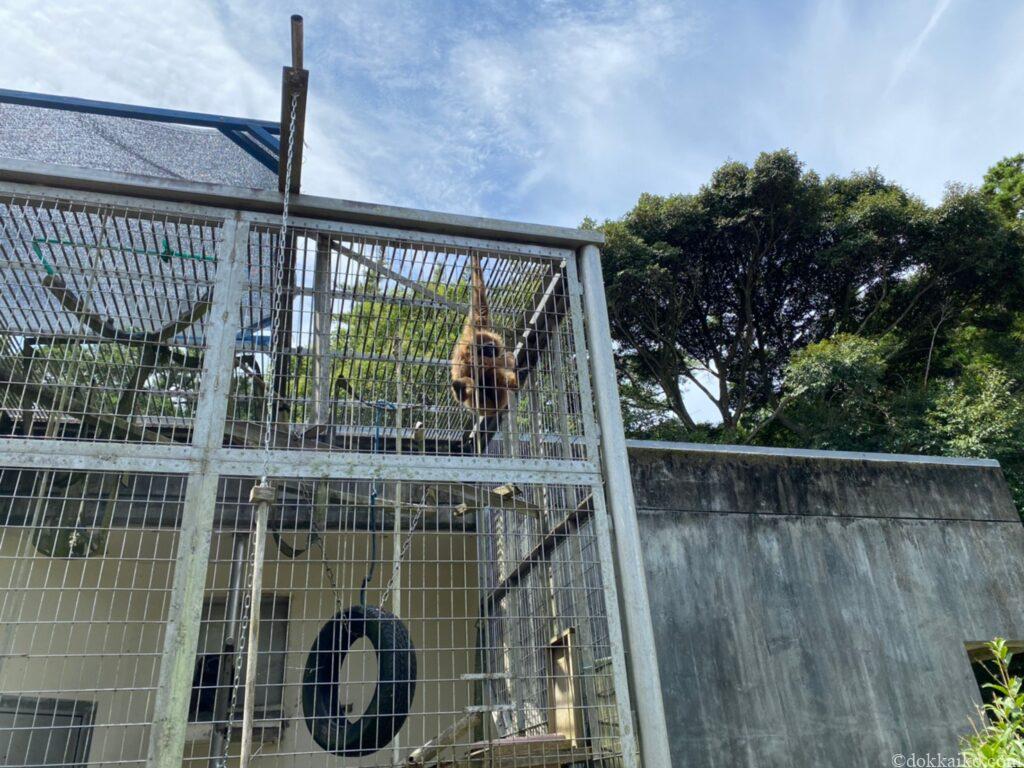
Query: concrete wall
[(811, 609)]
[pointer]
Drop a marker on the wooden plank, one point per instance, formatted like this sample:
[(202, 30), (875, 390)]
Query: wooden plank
[(565, 713), (446, 740), (543, 751)]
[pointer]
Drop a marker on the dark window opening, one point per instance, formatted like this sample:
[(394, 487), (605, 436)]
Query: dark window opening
[(270, 663), (41, 732)]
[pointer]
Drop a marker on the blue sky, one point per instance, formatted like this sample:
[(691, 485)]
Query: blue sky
[(550, 111)]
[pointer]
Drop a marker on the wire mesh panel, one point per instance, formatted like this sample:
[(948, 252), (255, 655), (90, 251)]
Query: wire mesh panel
[(86, 560), (367, 329), (102, 317), (413, 623), (456, 610)]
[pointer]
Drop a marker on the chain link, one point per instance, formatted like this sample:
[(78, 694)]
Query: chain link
[(329, 573), (401, 557), (240, 642), (277, 288)]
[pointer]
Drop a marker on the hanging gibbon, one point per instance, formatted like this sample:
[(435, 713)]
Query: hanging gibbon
[(483, 373)]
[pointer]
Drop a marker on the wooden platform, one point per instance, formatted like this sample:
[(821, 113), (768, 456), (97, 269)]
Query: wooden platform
[(545, 751)]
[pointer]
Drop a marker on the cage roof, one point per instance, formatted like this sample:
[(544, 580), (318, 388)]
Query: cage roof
[(147, 147)]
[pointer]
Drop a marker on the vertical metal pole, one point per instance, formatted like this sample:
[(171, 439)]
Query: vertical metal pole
[(602, 536), (181, 637), (643, 659), (322, 305), (262, 496), (296, 41), (396, 544), (226, 668)]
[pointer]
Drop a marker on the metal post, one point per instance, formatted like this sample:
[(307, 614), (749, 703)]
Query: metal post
[(296, 41), (323, 301), (226, 668), (643, 660), (262, 496), (396, 544), (609, 577), (167, 741)]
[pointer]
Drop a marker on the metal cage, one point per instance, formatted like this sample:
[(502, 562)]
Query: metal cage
[(136, 363)]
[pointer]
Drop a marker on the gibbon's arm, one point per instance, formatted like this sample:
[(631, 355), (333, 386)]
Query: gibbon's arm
[(479, 312)]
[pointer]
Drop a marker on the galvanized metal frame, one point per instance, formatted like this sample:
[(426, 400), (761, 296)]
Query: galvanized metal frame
[(578, 304), (22, 452), (167, 740), (639, 627), (205, 460), (220, 196)]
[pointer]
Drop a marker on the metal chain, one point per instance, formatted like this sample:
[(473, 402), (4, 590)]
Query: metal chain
[(401, 557), (268, 431), (329, 573), (277, 286), (240, 642)]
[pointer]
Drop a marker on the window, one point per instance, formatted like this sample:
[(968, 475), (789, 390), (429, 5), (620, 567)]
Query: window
[(565, 699), (984, 668), (270, 661), (40, 732)]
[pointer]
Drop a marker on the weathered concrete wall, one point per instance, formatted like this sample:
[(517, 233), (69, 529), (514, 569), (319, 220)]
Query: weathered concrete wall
[(811, 609)]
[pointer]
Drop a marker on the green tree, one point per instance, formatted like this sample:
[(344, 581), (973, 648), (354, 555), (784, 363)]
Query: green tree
[(873, 323), (1004, 187), (726, 283), (835, 390)]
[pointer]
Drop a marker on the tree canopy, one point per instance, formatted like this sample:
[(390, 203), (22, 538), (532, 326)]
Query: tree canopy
[(829, 313), (1004, 187)]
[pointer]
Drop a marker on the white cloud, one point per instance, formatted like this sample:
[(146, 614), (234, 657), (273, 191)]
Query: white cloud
[(178, 54), (907, 57), (565, 101), (174, 53), (551, 110)]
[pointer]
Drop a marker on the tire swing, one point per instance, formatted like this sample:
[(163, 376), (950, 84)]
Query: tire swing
[(325, 713)]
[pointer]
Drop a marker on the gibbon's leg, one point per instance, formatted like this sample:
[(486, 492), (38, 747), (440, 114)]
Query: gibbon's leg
[(461, 371)]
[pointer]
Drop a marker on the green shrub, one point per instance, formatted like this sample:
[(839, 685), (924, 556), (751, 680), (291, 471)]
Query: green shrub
[(998, 738)]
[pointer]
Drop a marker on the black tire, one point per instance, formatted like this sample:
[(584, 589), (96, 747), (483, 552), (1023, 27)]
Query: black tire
[(396, 682)]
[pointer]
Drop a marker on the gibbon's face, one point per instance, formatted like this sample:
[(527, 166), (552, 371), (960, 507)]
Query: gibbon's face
[(490, 351)]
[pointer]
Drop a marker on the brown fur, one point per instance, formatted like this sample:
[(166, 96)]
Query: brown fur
[(483, 373)]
